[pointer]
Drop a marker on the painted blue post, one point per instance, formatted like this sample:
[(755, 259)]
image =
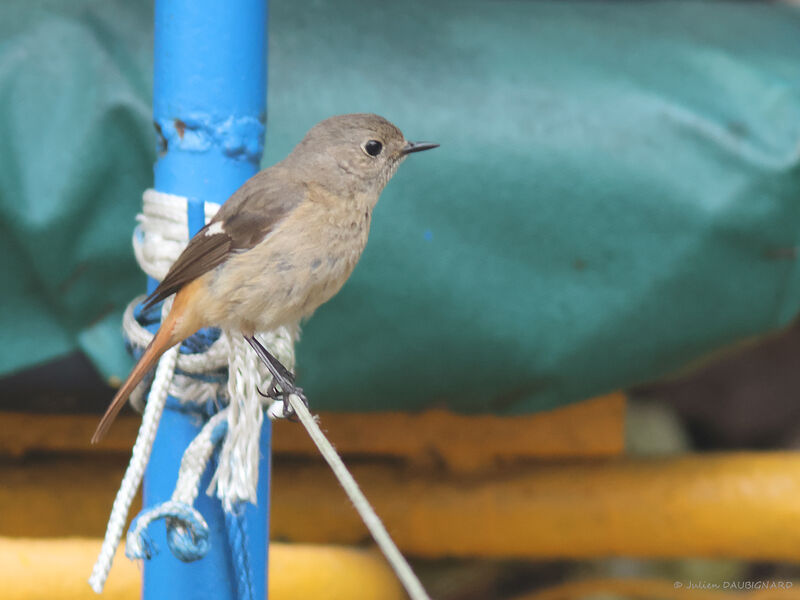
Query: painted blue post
[(209, 106)]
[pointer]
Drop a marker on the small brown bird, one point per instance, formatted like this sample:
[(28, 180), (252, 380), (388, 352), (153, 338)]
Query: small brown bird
[(281, 246)]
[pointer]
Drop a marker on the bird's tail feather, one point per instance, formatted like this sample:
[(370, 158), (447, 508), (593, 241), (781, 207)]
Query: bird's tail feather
[(163, 341)]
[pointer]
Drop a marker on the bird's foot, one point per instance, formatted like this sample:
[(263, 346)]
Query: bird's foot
[(287, 388), (281, 378)]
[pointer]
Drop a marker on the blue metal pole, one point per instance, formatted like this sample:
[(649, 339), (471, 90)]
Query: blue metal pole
[(209, 106)]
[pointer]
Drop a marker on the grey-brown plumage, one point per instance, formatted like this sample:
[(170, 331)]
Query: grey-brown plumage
[(283, 244), (240, 224)]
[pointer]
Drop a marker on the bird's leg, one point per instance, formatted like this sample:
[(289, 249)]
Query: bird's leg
[(281, 376)]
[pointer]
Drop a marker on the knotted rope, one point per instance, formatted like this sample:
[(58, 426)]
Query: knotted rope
[(235, 416), (209, 371)]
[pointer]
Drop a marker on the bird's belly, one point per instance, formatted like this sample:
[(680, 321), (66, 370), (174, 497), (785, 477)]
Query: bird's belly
[(264, 290)]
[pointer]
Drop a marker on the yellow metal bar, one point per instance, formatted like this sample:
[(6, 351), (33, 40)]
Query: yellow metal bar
[(35, 569), (591, 428), (59, 496), (738, 505), (330, 573), (742, 505)]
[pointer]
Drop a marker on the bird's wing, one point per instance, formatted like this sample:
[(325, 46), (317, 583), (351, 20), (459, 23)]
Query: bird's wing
[(243, 222)]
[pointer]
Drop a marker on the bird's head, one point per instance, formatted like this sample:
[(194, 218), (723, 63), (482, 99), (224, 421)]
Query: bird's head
[(357, 152)]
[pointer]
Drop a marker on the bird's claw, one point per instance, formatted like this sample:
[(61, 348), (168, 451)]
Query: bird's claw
[(282, 395), (281, 378), (288, 411), (272, 393)]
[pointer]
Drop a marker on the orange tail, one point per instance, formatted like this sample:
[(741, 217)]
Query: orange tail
[(166, 337)]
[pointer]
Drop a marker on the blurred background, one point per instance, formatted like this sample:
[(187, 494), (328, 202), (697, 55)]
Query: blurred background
[(566, 365)]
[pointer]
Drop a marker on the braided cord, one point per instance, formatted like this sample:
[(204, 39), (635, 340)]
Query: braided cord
[(238, 546)]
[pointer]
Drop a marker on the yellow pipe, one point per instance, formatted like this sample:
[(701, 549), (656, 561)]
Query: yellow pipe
[(586, 429), (742, 505), (321, 572), (737, 505), (34, 569), (59, 569)]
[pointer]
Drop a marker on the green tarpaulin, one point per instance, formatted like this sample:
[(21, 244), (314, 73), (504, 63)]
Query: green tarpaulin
[(617, 193)]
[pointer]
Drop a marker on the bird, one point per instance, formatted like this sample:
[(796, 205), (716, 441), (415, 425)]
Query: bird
[(283, 244)]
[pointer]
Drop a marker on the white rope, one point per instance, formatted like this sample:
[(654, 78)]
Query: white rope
[(195, 460), (158, 239), (371, 520), (237, 474), (193, 465), (163, 231), (135, 471)]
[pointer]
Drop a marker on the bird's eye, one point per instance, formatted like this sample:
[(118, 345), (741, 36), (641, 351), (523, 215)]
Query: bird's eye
[(373, 147)]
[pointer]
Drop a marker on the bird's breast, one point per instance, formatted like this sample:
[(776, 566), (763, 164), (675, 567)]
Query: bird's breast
[(298, 267)]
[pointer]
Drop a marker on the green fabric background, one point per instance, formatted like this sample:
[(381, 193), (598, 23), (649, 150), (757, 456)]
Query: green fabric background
[(616, 195)]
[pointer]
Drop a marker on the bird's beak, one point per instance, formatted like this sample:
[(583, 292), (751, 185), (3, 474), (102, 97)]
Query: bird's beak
[(418, 147)]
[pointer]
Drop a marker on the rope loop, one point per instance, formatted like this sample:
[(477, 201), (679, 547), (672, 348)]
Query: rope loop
[(187, 532)]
